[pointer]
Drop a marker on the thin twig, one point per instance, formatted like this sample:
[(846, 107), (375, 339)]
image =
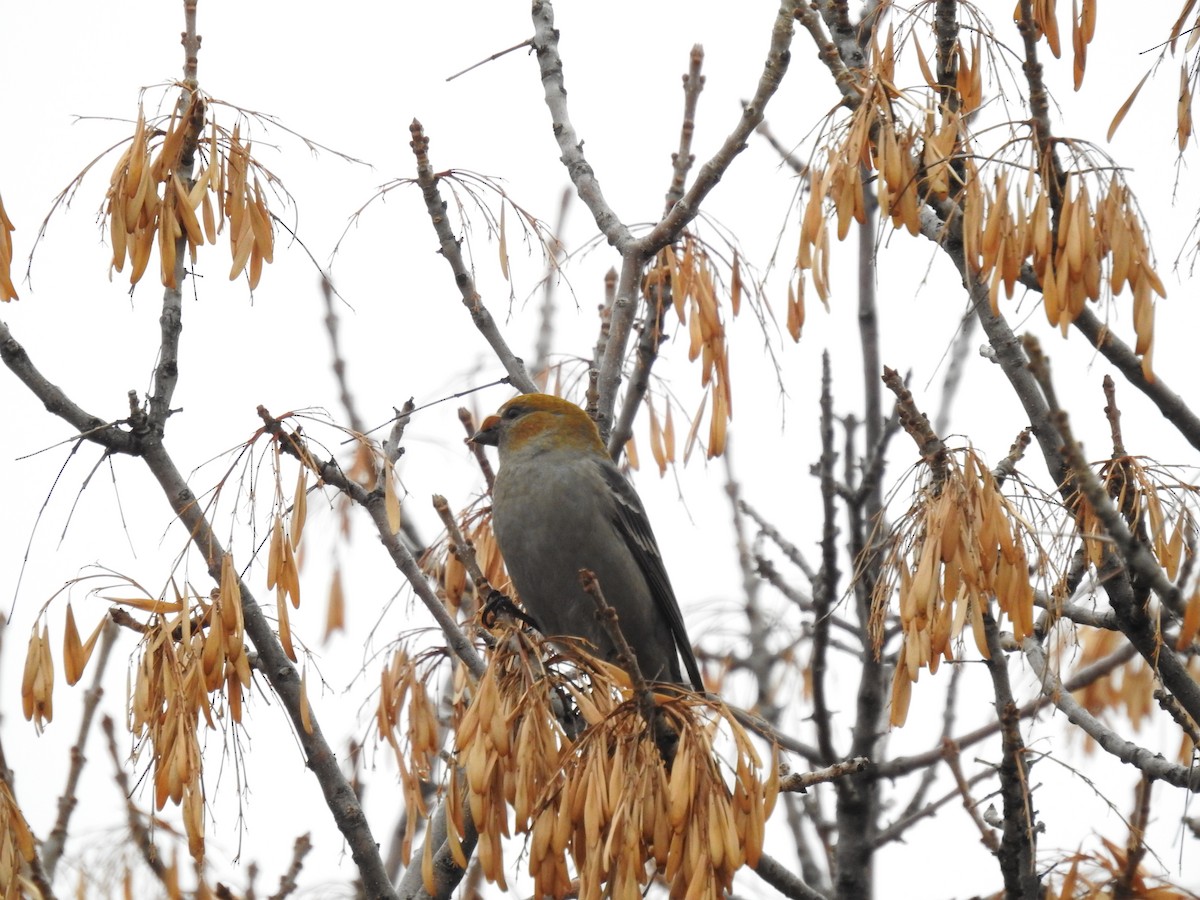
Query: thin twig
[(626, 659), (53, 848), (682, 159), (339, 361), (376, 506), (802, 781), (452, 252), (287, 881), (784, 880), (133, 816), (986, 832), (916, 423), (499, 53)]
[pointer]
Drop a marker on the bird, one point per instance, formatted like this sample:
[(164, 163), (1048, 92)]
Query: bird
[(559, 505)]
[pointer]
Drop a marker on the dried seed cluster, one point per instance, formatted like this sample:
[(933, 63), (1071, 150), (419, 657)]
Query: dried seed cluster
[(283, 571), (449, 575), (16, 848), (604, 805), (151, 195), (1129, 689), (37, 682), (959, 546), (188, 652), (403, 701), (1152, 503), (687, 274), (1069, 254), (1077, 247), (7, 291)]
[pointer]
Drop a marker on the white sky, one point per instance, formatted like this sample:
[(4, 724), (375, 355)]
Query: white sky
[(353, 79)]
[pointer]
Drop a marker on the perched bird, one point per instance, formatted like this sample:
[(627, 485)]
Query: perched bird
[(559, 505)]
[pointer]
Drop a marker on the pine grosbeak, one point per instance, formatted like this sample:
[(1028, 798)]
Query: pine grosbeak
[(559, 505)]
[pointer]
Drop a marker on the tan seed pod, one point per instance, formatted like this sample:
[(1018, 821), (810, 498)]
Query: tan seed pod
[(901, 695), (391, 498), (289, 573), (143, 241), (135, 200), (241, 247), (210, 224), (166, 245), (284, 625), (260, 220), (186, 214), (137, 156), (299, 507), (275, 553)]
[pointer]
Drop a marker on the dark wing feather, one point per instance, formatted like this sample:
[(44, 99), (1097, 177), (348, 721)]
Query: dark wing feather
[(634, 526)]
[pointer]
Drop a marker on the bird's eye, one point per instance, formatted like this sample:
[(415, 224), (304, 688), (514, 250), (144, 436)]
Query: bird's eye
[(512, 412)]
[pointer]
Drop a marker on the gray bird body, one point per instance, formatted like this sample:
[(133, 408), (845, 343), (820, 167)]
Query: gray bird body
[(584, 514)]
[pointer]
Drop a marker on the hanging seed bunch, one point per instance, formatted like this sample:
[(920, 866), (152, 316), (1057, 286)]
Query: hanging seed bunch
[(687, 274), (448, 574), (1128, 689), (283, 570), (509, 747), (152, 195), (1158, 510), (1079, 230), (7, 291), (1096, 249), (190, 650), (16, 848), (406, 719), (606, 805), (1152, 504), (192, 647), (37, 681), (961, 545)]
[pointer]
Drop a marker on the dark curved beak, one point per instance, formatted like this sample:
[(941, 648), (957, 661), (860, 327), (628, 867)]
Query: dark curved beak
[(488, 433)]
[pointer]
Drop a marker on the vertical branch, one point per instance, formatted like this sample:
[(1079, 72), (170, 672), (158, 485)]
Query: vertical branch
[(339, 361), (53, 848), (868, 325), (1017, 843), (1135, 850), (945, 24), (682, 159), (170, 320), (658, 298), (825, 588), (1039, 105), (620, 325)]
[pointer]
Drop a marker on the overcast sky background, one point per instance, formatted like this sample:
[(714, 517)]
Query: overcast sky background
[(353, 78)]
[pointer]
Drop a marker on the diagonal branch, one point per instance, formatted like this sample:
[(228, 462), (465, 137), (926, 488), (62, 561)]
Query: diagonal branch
[(449, 246), (340, 797), (1152, 764)]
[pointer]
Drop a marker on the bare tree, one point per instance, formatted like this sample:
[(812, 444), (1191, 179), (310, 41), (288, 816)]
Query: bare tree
[(1067, 583)]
